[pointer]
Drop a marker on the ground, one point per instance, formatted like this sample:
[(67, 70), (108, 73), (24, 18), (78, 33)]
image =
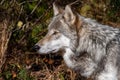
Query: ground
[(29, 21)]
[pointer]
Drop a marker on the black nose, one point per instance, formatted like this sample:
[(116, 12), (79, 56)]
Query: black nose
[(36, 47)]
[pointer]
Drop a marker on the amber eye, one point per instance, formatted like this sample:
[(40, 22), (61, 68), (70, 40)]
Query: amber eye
[(55, 32)]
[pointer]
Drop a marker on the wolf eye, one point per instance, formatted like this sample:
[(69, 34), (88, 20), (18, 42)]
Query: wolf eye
[(55, 32)]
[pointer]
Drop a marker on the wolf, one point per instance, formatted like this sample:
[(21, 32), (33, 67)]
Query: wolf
[(89, 48)]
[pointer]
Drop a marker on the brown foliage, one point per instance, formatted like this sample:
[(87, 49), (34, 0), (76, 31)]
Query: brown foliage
[(19, 24)]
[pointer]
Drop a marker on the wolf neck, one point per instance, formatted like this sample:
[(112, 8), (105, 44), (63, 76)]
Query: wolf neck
[(75, 38), (67, 57), (83, 65)]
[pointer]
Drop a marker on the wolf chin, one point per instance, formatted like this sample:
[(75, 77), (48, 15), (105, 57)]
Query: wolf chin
[(90, 48)]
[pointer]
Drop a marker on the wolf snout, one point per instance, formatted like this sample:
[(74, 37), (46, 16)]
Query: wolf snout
[(36, 47)]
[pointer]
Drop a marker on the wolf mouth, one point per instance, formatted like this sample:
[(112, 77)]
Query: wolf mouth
[(54, 51)]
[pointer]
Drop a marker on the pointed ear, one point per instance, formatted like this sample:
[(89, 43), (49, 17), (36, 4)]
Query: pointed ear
[(56, 9), (69, 15)]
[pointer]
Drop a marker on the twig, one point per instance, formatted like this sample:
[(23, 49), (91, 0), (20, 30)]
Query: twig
[(35, 7), (41, 16), (5, 39), (2, 2), (33, 10), (27, 2), (74, 2), (20, 13)]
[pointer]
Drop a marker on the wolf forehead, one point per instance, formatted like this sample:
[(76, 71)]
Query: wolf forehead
[(55, 21), (58, 24)]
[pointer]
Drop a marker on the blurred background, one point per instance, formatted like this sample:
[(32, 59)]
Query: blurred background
[(24, 22)]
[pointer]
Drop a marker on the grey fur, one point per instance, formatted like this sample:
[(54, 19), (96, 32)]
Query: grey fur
[(95, 47)]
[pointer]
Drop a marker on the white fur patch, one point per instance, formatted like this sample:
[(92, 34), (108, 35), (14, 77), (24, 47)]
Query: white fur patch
[(109, 74), (67, 59)]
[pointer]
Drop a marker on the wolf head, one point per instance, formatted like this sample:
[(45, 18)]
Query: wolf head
[(61, 32)]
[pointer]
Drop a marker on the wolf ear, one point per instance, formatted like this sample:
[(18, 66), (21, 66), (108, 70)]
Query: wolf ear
[(69, 15), (56, 9)]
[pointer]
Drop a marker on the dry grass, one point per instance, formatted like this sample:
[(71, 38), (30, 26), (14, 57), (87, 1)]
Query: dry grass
[(4, 39), (23, 65)]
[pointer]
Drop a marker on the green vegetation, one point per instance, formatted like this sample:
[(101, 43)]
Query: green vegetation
[(28, 21)]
